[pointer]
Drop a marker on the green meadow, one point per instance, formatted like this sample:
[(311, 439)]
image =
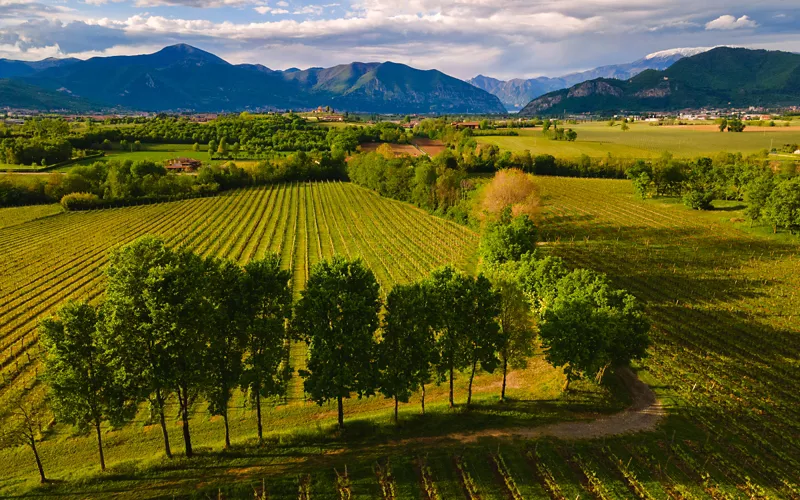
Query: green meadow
[(598, 139)]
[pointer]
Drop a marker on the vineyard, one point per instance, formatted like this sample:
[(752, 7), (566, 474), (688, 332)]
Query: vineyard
[(48, 260), (725, 361)]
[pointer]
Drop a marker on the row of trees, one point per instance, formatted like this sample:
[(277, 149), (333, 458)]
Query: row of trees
[(175, 325), (114, 181), (37, 151), (771, 197)]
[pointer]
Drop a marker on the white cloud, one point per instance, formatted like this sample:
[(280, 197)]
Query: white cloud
[(270, 10), (728, 22)]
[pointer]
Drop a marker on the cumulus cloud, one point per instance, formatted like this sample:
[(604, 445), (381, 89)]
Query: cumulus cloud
[(504, 38), (728, 22)]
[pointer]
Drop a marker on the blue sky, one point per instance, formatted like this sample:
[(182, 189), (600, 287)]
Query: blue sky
[(512, 38)]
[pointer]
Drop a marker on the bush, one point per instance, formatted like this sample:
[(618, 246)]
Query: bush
[(80, 201)]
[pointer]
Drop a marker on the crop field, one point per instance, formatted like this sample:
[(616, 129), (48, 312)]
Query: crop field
[(646, 141), (725, 364)]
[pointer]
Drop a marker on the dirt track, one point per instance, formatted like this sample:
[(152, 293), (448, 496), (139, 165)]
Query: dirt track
[(644, 414)]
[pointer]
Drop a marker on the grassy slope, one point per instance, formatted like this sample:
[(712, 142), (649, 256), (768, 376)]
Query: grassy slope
[(645, 141)]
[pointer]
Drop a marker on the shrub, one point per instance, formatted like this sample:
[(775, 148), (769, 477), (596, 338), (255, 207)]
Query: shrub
[(80, 201)]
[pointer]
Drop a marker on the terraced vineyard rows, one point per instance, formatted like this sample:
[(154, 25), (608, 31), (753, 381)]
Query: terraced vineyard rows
[(47, 260)]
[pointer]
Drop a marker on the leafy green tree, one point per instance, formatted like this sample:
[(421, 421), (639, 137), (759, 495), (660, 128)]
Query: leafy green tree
[(508, 238), (625, 126), (589, 326), (464, 311), (226, 338), (642, 176), (546, 126), (80, 381), (571, 135), (337, 316), (723, 124), (137, 145), (756, 195), (268, 299), (483, 339), (515, 318), (196, 147), (140, 354), (782, 209), (407, 351), (212, 147), (176, 298), (124, 145), (736, 125)]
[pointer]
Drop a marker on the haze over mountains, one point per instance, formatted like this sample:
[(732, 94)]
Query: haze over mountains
[(516, 93), (181, 77), (721, 77)]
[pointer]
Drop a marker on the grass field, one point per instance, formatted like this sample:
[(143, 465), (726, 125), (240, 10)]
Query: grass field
[(725, 362), (645, 141)]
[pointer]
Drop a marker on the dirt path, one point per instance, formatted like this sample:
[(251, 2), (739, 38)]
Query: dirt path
[(644, 414)]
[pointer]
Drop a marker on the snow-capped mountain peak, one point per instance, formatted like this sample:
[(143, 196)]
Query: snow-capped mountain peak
[(683, 52)]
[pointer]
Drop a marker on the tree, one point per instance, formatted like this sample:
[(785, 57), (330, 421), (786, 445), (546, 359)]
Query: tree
[(223, 147), (736, 125), (571, 135), (642, 176), (81, 384), (723, 124), (515, 318), (782, 209), (482, 337), (508, 238), (268, 299), (141, 355), (124, 145), (226, 338), (511, 187), (196, 147), (137, 145), (212, 147), (589, 326), (23, 427), (337, 315), (463, 312), (176, 299), (407, 350), (625, 126), (756, 195)]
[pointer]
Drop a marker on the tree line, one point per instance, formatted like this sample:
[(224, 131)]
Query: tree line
[(174, 326), (772, 196), (116, 182)]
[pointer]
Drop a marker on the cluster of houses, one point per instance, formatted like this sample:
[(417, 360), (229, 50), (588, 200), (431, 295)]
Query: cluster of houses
[(183, 165)]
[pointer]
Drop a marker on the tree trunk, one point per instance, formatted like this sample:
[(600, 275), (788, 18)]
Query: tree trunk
[(505, 373), (341, 413), (160, 402), (227, 430), (566, 385), (32, 444), (471, 377), (395, 409), (183, 398), (452, 404), (100, 444), (258, 417), (423, 399)]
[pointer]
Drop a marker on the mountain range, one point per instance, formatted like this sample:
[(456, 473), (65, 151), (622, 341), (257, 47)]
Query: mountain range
[(516, 93), (182, 77), (721, 77)]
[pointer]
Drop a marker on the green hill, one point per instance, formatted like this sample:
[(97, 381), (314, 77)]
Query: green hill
[(722, 77), (16, 94)]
